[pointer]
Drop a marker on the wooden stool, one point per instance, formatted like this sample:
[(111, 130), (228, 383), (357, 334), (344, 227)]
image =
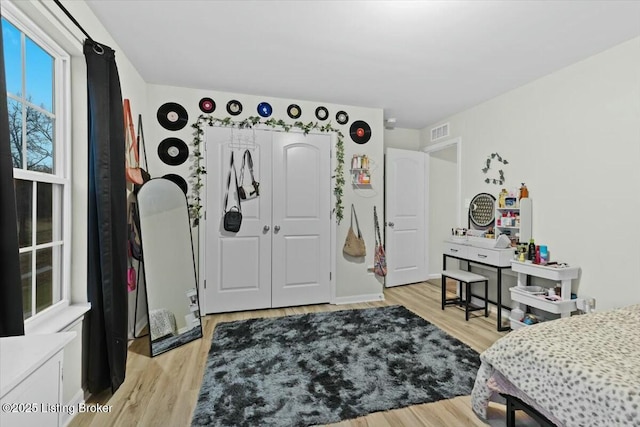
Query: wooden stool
[(467, 278)]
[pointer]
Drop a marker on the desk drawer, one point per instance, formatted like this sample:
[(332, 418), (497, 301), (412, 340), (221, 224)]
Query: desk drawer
[(498, 258), (456, 250)]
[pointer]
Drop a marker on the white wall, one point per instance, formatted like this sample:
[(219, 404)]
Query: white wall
[(443, 188), (574, 138), (353, 282), (404, 139)]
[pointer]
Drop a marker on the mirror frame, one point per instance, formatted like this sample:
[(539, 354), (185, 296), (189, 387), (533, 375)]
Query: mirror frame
[(145, 267)]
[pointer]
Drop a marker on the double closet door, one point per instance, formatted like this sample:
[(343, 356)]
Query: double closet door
[(281, 255)]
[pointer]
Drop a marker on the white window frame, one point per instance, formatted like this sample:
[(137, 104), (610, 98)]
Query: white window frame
[(62, 160)]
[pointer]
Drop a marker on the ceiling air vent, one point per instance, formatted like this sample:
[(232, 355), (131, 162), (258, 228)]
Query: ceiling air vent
[(440, 132)]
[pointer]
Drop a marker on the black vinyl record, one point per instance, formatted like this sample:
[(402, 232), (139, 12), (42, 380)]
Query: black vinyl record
[(322, 113), (178, 180), (173, 151), (234, 107), (207, 105), (172, 116), (360, 132), (294, 111), (342, 117)]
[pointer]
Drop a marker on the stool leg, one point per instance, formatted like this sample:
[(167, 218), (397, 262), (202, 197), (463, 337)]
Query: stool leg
[(459, 285), (444, 290), (467, 301)]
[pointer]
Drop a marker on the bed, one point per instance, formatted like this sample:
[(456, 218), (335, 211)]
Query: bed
[(577, 371)]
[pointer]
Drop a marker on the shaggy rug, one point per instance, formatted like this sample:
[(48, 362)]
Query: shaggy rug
[(325, 367)]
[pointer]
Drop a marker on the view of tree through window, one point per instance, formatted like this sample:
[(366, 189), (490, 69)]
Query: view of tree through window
[(39, 186)]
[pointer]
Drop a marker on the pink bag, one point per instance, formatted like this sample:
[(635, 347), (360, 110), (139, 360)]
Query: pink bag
[(131, 279)]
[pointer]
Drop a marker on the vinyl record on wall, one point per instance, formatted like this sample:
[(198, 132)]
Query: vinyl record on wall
[(342, 117), (173, 151), (264, 109), (360, 132), (234, 107), (294, 111), (207, 105), (322, 113), (178, 180), (172, 116)]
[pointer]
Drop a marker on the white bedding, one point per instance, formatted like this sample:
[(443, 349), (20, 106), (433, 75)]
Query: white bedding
[(583, 370)]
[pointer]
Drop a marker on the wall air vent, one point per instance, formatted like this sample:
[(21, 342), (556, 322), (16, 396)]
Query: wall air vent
[(440, 132)]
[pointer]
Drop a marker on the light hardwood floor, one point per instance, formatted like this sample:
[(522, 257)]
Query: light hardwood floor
[(163, 391)]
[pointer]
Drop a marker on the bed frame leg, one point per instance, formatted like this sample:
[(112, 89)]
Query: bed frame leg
[(511, 414)]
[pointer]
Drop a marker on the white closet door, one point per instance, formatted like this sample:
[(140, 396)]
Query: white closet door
[(238, 265), (406, 220), (301, 219)]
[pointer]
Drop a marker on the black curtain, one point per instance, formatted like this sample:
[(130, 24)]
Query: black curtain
[(11, 322), (107, 223)]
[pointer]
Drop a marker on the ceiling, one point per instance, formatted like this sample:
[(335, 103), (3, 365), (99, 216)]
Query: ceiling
[(420, 61)]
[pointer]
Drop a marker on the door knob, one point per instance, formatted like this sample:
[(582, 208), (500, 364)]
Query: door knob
[(266, 228), (276, 228), (391, 224)]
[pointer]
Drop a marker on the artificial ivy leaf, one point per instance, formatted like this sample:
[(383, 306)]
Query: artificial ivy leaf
[(493, 155), (487, 180), (505, 162), (485, 170)]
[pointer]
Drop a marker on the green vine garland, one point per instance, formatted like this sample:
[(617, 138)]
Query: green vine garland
[(195, 202), (499, 158)]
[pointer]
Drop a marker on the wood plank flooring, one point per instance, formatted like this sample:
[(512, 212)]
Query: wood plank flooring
[(163, 391)]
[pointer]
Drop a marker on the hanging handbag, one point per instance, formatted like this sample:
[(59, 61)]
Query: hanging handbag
[(232, 219), (135, 248), (134, 173), (354, 244), (131, 278), (131, 272), (379, 256), (252, 190)]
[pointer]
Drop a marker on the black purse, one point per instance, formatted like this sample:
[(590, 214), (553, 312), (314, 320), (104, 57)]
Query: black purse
[(252, 190), (232, 219)]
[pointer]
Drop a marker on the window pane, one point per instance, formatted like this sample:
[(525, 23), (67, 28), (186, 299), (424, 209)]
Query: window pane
[(24, 203), (39, 141), (44, 279), (25, 271), (15, 132), (44, 218), (39, 76), (12, 60)]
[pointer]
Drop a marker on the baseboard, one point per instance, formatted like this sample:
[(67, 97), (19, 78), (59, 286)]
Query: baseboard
[(140, 325), (67, 416), (434, 276), (359, 298)]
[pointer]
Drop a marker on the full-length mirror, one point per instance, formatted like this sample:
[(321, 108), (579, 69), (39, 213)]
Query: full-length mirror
[(169, 266)]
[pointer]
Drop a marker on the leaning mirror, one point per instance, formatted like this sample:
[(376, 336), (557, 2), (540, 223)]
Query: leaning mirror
[(169, 266)]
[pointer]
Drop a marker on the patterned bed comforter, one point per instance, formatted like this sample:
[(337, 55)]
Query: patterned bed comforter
[(583, 370)]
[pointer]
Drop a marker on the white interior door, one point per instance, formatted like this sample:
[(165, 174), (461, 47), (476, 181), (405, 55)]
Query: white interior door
[(301, 219), (238, 265), (406, 216)]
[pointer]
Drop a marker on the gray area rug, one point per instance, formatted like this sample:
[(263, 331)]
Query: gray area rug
[(325, 367)]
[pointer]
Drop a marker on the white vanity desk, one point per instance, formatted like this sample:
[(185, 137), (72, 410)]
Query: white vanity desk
[(31, 379), (481, 251)]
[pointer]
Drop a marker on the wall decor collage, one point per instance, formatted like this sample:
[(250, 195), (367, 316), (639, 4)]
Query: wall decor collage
[(174, 117)]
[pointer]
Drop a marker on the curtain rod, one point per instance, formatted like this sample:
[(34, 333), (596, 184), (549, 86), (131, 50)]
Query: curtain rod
[(70, 16)]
